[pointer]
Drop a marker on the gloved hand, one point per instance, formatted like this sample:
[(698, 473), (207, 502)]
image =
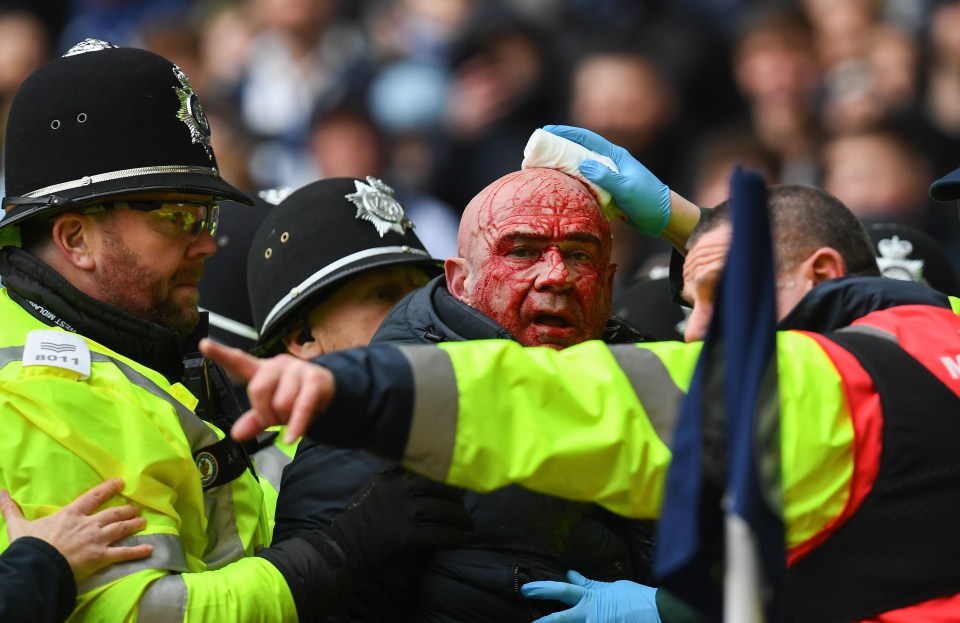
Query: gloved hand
[(638, 193), (596, 602), (398, 509)]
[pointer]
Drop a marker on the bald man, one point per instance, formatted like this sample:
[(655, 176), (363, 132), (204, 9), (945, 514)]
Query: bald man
[(534, 256), (534, 266)]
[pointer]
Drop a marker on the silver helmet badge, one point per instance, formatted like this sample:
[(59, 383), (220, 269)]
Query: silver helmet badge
[(375, 203)]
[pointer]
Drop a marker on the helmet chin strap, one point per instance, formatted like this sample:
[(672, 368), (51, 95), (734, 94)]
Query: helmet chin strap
[(35, 201)]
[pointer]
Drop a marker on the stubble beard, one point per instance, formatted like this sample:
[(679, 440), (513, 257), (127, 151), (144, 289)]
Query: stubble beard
[(130, 286)]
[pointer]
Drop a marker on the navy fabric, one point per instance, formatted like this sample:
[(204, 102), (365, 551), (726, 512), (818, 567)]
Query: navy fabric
[(714, 453), (36, 583)]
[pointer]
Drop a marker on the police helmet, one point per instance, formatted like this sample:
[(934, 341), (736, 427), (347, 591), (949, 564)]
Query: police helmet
[(907, 253), (102, 121), (223, 289), (318, 237)]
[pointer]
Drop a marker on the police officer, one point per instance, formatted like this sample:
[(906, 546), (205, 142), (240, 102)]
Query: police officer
[(324, 268), (868, 394), (112, 190)]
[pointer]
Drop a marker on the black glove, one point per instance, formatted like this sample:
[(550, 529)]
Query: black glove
[(396, 510)]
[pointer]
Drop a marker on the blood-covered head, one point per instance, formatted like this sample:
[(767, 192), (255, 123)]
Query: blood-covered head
[(535, 257)]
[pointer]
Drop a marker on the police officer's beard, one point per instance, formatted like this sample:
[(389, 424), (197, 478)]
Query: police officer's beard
[(128, 285)]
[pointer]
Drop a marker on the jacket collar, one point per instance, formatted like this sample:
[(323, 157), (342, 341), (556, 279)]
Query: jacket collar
[(35, 285), (837, 303), (434, 314)]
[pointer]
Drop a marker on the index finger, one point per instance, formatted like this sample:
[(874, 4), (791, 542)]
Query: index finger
[(93, 498), (233, 360)]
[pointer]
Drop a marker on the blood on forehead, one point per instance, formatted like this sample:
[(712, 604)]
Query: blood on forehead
[(541, 201)]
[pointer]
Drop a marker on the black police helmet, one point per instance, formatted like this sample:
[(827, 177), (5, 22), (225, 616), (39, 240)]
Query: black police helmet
[(102, 121), (223, 289), (315, 239), (909, 254)]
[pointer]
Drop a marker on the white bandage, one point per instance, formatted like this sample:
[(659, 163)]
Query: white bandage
[(550, 151)]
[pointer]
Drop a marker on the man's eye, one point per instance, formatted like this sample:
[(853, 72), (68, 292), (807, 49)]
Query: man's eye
[(521, 252), (388, 294), (581, 256)]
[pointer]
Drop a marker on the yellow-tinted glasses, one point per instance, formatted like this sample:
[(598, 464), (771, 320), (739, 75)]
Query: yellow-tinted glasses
[(176, 218)]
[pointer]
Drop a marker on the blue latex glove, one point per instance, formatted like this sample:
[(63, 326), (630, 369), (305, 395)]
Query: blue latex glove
[(596, 602), (638, 193)]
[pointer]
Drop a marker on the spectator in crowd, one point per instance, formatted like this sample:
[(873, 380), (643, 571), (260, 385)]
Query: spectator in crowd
[(622, 94), (777, 74), (505, 82), (880, 174)]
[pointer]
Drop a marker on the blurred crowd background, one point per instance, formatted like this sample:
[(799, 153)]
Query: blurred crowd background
[(438, 97)]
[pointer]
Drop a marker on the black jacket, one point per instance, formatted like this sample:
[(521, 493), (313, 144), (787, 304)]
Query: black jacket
[(518, 536), (36, 583)]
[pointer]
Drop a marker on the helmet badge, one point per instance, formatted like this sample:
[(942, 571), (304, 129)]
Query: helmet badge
[(191, 113), (894, 260), (375, 203), (89, 45)]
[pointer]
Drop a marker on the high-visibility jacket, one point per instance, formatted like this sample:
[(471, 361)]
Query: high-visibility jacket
[(594, 423), (64, 433)]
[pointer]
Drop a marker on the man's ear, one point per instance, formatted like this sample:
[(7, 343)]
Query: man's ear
[(457, 269), (824, 264), (73, 241), (300, 343)]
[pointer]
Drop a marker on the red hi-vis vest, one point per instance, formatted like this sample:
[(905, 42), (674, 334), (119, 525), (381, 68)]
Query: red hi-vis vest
[(892, 555)]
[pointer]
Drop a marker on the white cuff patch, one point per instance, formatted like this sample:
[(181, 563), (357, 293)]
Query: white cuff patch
[(57, 349)]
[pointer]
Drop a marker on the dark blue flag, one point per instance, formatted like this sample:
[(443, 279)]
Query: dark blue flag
[(720, 542)]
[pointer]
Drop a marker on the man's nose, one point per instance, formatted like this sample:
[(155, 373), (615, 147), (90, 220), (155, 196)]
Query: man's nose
[(552, 270), (203, 247)]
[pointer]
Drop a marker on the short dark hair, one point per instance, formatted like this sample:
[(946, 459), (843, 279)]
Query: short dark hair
[(804, 219)]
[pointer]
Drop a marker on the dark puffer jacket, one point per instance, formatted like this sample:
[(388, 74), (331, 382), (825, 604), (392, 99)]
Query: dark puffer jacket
[(518, 535)]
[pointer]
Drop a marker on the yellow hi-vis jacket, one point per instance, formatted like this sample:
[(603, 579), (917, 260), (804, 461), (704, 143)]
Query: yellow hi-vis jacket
[(595, 422), (67, 427)]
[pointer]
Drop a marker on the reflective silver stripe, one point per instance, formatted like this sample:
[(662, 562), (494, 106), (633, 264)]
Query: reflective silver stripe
[(167, 554), (118, 175), (653, 385), (433, 429), (223, 541), (874, 331), (270, 462), (164, 601), (323, 272), (228, 324)]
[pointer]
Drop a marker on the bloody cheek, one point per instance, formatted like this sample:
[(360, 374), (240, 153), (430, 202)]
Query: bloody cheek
[(499, 294)]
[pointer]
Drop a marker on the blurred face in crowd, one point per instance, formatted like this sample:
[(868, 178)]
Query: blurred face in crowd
[(351, 315), (535, 257), (146, 263)]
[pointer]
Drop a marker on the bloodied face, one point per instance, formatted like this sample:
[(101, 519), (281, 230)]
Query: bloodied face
[(535, 257)]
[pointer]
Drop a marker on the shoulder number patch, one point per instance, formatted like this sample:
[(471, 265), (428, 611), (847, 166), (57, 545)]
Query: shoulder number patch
[(57, 349)]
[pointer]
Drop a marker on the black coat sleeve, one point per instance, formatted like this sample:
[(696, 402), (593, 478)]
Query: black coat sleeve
[(36, 583)]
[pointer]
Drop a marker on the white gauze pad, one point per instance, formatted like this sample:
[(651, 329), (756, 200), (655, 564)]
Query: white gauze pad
[(550, 151)]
